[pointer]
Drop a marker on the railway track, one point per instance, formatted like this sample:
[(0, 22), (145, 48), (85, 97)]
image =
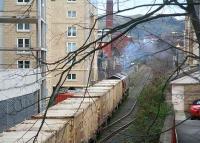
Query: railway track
[(121, 121)]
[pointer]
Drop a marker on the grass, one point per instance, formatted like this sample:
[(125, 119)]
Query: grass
[(151, 106)]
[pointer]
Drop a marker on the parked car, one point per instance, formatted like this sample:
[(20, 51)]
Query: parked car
[(195, 109)]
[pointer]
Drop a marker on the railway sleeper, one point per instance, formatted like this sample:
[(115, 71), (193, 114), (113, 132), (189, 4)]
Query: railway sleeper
[(93, 139), (98, 132), (120, 102), (108, 119), (105, 123)]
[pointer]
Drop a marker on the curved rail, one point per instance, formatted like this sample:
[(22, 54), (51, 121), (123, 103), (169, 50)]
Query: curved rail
[(124, 126), (116, 131), (126, 115)]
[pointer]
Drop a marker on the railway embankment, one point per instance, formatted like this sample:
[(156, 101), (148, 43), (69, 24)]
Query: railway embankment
[(145, 122), (124, 116)]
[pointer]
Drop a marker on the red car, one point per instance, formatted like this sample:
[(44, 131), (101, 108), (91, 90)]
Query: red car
[(195, 109)]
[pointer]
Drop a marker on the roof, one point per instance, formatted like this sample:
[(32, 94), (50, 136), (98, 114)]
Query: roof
[(193, 78), (89, 93), (63, 106), (33, 125), (106, 83), (100, 88), (110, 81), (67, 109), (60, 113), (13, 137)]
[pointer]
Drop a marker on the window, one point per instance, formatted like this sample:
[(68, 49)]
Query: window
[(71, 14), (23, 64), (23, 27), (23, 2), (196, 102), (71, 46), (71, 31), (23, 43), (71, 76)]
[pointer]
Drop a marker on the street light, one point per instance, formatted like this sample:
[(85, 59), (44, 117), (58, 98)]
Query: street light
[(177, 57)]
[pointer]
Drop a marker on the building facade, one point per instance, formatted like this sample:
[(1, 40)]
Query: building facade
[(69, 25), (22, 50), (22, 34), (185, 89), (191, 44)]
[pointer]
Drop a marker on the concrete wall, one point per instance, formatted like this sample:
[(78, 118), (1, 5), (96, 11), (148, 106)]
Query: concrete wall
[(18, 82), (178, 97), (19, 90), (192, 92), (184, 95), (168, 136)]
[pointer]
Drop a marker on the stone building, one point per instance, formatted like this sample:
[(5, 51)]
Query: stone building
[(185, 88)]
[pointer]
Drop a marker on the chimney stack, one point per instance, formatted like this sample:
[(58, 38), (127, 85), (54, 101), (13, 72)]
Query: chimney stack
[(109, 14)]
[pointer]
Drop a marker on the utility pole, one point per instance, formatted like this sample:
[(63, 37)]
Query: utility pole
[(177, 57)]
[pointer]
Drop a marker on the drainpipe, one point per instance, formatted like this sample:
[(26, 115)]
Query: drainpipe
[(1, 32)]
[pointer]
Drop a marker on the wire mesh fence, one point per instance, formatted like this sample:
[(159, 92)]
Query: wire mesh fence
[(15, 110)]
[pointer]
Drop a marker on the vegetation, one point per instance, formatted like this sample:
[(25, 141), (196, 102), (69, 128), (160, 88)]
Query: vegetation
[(151, 106), (167, 25)]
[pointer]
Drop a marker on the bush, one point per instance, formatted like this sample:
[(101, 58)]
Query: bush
[(151, 108)]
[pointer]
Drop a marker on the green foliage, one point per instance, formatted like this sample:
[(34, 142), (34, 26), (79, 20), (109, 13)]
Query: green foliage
[(166, 25), (151, 103)]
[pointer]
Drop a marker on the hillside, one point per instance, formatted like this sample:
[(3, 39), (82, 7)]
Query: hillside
[(161, 26)]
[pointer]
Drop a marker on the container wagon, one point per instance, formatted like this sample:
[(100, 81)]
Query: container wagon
[(75, 120), (125, 82)]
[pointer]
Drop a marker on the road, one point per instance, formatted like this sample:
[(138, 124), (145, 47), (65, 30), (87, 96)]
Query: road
[(189, 132)]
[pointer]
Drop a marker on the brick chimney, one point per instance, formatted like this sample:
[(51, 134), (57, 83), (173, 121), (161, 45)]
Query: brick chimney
[(109, 11)]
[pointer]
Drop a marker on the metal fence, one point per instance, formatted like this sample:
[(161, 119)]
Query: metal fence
[(17, 109)]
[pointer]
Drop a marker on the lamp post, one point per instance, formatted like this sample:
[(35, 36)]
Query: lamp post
[(175, 40), (177, 57)]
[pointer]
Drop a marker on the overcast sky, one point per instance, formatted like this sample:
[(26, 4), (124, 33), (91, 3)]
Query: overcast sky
[(1, 4), (123, 4)]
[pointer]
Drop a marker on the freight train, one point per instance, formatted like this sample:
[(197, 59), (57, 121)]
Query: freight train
[(78, 119)]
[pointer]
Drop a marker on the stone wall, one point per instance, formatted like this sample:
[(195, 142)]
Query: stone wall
[(191, 93)]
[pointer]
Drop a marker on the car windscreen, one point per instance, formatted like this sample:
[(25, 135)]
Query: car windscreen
[(196, 102)]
